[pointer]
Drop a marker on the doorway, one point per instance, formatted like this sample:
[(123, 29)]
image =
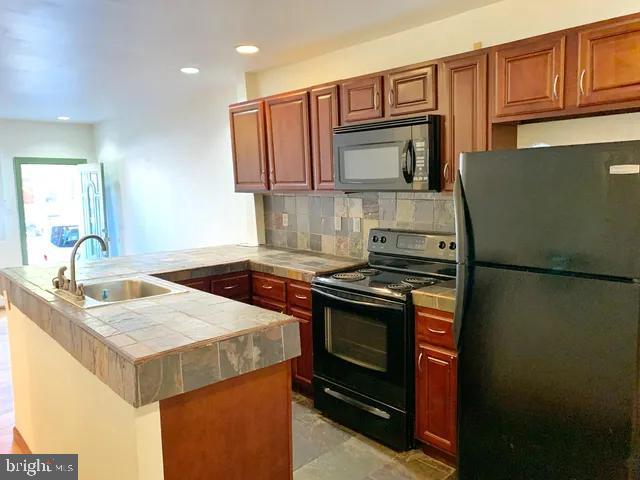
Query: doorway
[(59, 200)]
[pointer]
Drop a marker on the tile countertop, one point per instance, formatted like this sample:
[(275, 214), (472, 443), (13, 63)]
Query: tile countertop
[(154, 348), (440, 297)]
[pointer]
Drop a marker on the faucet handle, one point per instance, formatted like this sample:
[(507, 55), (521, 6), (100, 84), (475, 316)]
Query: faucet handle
[(79, 290), (61, 281)]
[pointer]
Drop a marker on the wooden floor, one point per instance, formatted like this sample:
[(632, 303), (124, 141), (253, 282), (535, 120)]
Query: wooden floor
[(7, 445)]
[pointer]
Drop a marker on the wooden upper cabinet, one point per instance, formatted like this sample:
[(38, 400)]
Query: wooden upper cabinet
[(249, 146), (360, 99), (529, 76), (411, 90), (609, 63), (436, 397), (288, 141), (465, 108), (324, 117)]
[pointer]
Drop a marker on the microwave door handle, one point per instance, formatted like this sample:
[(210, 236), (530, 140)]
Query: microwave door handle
[(408, 158)]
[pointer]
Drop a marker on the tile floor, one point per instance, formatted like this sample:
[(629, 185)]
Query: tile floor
[(323, 450)]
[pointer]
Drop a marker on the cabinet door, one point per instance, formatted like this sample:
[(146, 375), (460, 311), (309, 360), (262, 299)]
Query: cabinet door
[(360, 99), (303, 365), (249, 146), (411, 91), (288, 142), (436, 392), (324, 116), (269, 304), (465, 105), (203, 284), (609, 63), (234, 285), (529, 76)]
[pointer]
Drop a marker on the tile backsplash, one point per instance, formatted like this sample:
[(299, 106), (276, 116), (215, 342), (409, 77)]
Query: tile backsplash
[(339, 224)]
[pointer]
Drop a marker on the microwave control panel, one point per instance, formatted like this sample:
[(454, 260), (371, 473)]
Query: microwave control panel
[(420, 175)]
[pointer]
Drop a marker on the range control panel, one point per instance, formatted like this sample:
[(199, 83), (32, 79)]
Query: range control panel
[(441, 246)]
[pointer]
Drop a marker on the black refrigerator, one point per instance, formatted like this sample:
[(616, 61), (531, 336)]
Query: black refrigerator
[(547, 312)]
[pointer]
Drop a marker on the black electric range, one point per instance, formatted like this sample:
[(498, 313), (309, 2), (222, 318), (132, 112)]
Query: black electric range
[(363, 333)]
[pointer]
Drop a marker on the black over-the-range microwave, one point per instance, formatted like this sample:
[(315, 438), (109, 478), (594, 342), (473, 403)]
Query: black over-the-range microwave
[(393, 155)]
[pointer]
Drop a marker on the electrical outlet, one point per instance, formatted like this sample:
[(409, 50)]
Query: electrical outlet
[(285, 219), (356, 225), (337, 223)]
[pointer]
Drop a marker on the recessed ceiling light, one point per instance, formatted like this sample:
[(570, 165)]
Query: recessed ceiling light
[(64, 118), (190, 70), (247, 49)]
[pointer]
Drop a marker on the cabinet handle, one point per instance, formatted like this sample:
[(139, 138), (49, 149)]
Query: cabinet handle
[(376, 101), (584, 70), (420, 362), (300, 297), (391, 97), (437, 332), (267, 287), (230, 287), (555, 86), (446, 170)]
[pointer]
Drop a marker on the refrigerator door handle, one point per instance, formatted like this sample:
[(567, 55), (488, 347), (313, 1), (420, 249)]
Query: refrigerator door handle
[(463, 243)]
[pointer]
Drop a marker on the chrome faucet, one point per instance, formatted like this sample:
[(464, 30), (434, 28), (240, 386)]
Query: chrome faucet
[(63, 283)]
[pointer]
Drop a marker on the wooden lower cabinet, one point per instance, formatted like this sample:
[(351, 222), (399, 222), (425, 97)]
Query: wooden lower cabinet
[(203, 284), (436, 390)]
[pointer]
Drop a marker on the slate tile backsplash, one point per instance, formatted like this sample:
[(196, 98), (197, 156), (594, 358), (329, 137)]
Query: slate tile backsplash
[(339, 224)]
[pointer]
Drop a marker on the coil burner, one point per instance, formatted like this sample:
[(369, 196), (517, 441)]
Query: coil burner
[(420, 281), (348, 276), (369, 272), (400, 287)]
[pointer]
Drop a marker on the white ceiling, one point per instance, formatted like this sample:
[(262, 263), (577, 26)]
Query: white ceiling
[(96, 59)]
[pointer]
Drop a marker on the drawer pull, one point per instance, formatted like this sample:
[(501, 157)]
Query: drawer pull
[(301, 297), (266, 287), (437, 332), (230, 287), (420, 362)]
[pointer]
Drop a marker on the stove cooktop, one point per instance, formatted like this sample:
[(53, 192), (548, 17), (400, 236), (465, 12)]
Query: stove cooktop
[(379, 281)]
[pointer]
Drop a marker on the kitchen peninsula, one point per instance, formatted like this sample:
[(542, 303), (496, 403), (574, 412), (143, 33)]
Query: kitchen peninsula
[(182, 385)]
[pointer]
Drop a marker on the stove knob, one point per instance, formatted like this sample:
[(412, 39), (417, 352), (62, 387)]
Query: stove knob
[(442, 245), (375, 238), (452, 246), (383, 239)]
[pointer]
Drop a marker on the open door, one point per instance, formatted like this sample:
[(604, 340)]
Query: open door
[(93, 206)]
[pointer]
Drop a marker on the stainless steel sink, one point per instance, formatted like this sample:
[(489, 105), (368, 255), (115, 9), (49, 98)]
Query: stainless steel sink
[(121, 290)]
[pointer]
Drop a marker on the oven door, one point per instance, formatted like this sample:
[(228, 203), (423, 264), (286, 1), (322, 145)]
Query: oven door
[(382, 159), (361, 342)]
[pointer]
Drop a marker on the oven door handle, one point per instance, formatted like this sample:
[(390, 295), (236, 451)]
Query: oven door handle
[(359, 302), (358, 404)]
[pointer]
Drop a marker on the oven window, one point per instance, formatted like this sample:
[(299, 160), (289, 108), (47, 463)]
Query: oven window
[(377, 162), (356, 338)]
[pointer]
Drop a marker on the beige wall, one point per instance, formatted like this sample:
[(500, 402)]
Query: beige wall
[(608, 128), (61, 407), (493, 24)]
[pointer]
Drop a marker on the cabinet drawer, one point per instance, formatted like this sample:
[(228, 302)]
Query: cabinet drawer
[(269, 287), (197, 283), (434, 327), (270, 304), (233, 286), (299, 295)]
